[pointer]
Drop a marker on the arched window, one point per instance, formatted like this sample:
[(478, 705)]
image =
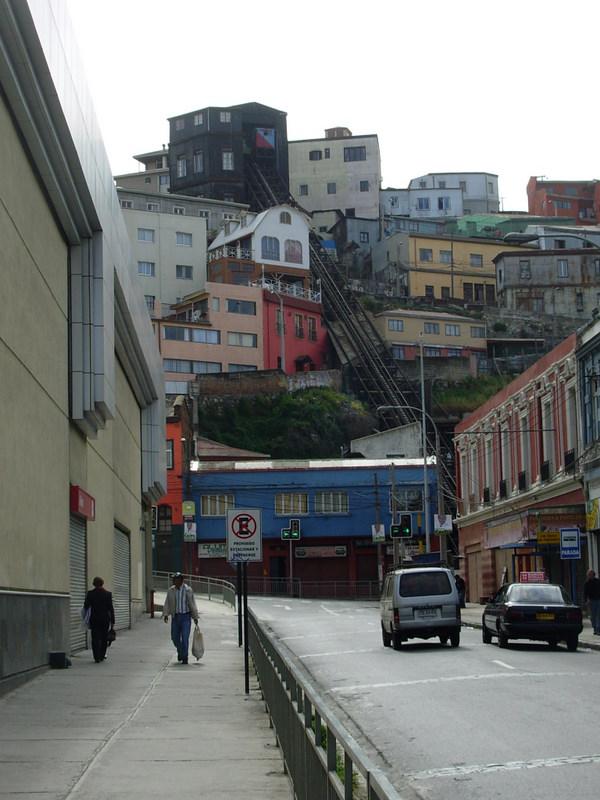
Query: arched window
[(293, 251), (285, 218), (270, 248)]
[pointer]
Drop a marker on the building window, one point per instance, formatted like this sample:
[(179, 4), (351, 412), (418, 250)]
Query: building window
[(525, 269), (180, 210), (183, 272), (198, 161), (303, 190), (293, 251), (462, 185), (396, 325), (445, 293), (198, 118), (242, 367), (477, 332), (537, 305), (452, 330), (163, 180), (198, 335), (364, 186), (148, 180), (236, 339), (432, 352), (453, 352), (150, 301), (145, 235), (446, 256), (241, 307), (312, 328), (331, 188), (423, 203), (326, 152), (443, 203), (355, 153), (285, 218), (146, 268), (490, 294), (478, 292), (429, 293), (468, 292), (350, 212), (225, 116), (151, 206), (331, 503), (563, 268), (398, 352), (165, 519), (394, 201), (181, 167), (287, 503), (422, 184), (216, 505), (195, 367), (270, 248), (126, 204), (179, 124), (425, 254), (227, 160), (169, 453), (475, 259), (298, 326), (315, 155), (363, 237), (579, 301), (431, 327), (490, 187), (183, 239)]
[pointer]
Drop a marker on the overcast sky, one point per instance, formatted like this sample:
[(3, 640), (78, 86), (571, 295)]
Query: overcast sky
[(468, 85)]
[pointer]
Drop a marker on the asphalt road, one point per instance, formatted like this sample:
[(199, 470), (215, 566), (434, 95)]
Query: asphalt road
[(472, 722)]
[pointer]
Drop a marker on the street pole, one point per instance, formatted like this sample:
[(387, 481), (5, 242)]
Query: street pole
[(291, 570), (380, 556), (282, 334), (246, 644), (397, 544), (440, 499), (424, 447)]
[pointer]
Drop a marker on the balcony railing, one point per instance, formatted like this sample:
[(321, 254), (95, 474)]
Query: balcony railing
[(230, 252), (290, 289)]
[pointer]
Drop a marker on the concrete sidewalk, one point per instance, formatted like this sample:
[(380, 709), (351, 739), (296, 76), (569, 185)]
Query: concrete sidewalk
[(471, 615), (141, 725)]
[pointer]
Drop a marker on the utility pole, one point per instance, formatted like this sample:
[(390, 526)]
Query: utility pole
[(380, 546), (424, 447), (398, 545)]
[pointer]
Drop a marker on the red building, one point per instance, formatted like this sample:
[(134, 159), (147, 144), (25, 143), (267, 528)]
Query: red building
[(518, 478), (579, 200)]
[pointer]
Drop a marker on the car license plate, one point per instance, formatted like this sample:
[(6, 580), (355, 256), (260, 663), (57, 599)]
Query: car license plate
[(544, 616), (426, 613)]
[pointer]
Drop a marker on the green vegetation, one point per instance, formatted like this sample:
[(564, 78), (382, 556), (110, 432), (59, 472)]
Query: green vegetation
[(314, 423), (465, 396)]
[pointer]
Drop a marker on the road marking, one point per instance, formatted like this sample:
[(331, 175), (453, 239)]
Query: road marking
[(453, 772), (455, 678), (340, 653), (281, 605), (502, 663), (329, 611)]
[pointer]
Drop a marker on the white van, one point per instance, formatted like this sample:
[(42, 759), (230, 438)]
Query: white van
[(420, 603)]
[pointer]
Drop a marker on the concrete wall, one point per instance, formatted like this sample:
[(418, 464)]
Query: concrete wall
[(404, 441)]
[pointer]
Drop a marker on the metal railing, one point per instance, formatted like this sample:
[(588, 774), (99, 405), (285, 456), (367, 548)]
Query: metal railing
[(213, 588), (299, 587), (321, 757)]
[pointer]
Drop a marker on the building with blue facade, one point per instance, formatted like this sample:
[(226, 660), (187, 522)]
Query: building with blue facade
[(588, 380), (336, 501)]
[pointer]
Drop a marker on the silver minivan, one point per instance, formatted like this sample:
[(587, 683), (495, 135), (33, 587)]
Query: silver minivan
[(421, 602)]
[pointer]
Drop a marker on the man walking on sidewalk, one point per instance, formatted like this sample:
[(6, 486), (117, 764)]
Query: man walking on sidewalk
[(180, 605), (591, 594)]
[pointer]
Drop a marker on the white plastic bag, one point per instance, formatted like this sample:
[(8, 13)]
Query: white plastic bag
[(86, 614), (198, 644)]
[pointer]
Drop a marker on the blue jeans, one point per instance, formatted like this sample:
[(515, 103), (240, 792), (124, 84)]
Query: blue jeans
[(180, 634), (595, 614)]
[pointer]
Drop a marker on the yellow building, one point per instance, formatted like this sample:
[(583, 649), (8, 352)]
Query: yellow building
[(445, 267)]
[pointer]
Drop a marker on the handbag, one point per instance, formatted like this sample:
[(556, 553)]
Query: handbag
[(111, 636), (86, 614), (198, 644)]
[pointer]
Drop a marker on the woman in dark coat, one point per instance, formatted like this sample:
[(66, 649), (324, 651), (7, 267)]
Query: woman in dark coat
[(102, 617)]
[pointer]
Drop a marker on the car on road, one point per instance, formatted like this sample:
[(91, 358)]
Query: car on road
[(420, 603), (539, 611)]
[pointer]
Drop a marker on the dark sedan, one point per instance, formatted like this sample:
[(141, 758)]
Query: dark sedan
[(540, 611)]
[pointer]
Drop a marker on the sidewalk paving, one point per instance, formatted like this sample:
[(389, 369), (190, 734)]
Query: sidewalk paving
[(142, 725), (471, 615)]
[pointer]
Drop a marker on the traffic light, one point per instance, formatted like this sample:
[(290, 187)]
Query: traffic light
[(404, 529), (291, 532)]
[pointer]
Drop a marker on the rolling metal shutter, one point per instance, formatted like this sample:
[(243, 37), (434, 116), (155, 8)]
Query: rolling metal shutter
[(78, 581), (121, 582)]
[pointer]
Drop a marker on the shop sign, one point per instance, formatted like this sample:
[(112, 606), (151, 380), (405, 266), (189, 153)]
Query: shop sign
[(189, 530), (212, 550), (532, 577), (442, 524), (591, 517), (82, 503), (378, 532), (548, 537), (339, 551), (188, 508)]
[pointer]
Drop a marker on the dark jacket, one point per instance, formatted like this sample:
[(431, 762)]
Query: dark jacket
[(591, 589), (103, 613)]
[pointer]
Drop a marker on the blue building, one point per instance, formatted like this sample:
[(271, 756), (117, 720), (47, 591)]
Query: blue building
[(588, 451), (336, 501)]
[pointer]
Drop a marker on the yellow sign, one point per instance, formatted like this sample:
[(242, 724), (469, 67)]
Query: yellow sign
[(591, 518), (548, 537), (188, 508)]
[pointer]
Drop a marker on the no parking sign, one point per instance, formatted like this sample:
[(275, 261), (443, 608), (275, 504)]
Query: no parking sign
[(244, 535)]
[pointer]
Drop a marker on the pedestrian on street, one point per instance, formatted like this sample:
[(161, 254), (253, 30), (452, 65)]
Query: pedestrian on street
[(180, 605), (462, 589), (591, 595), (102, 617)]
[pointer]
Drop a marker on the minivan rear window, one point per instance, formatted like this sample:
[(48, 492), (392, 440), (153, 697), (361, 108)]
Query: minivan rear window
[(421, 584)]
